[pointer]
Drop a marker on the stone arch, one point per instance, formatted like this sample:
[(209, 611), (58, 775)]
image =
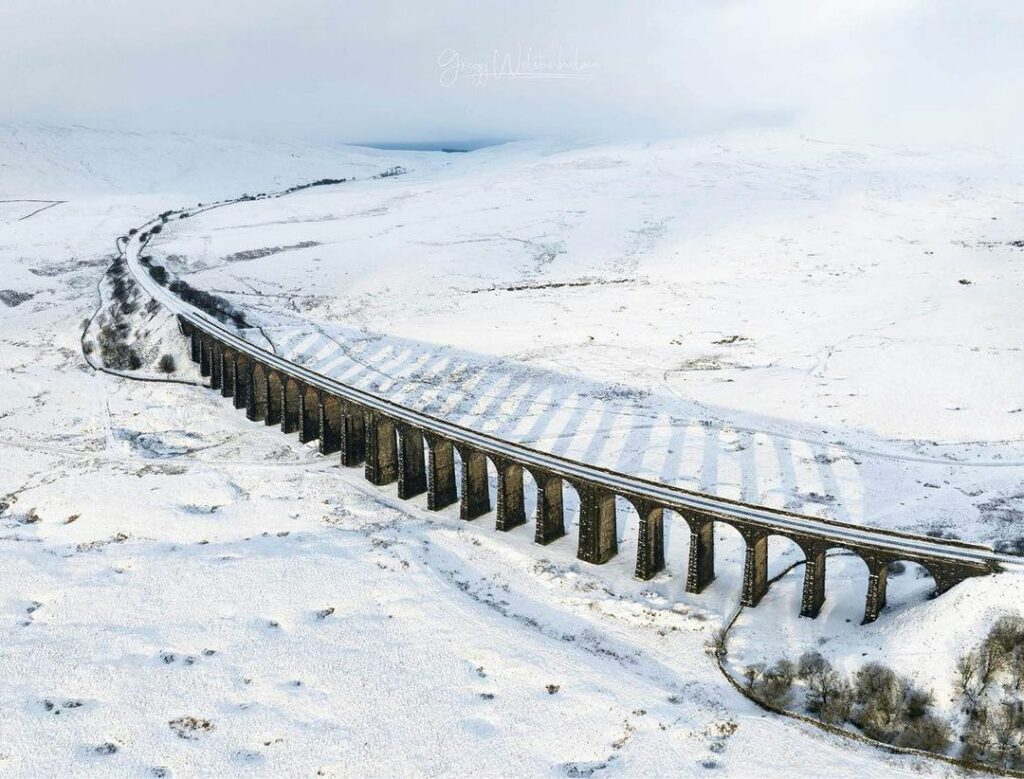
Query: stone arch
[(549, 513), (571, 506), (353, 434), (640, 528), (598, 531), (846, 577), (381, 445), (910, 582), (759, 567), (492, 481), (442, 472), (529, 495), (675, 541), (785, 551), (730, 549), (510, 494), (412, 468), (474, 482), (695, 533)]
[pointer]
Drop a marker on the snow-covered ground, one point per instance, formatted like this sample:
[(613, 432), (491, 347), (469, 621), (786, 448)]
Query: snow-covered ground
[(828, 328), (182, 592)]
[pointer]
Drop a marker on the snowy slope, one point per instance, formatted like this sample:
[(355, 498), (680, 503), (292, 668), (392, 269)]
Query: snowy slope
[(184, 593), (62, 162), (827, 328)]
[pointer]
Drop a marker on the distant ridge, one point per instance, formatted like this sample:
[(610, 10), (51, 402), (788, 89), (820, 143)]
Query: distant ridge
[(448, 147)]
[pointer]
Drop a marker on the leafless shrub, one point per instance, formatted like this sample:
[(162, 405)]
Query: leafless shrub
[(930, 733), (776, 683), (716, 645), (839, 704), (752, 674)]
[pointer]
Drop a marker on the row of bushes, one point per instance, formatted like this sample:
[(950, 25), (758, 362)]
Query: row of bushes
[(205, 301), (882, 704), (115, 351), (115, 327), (989, 680), (317, 183), (890, 708)]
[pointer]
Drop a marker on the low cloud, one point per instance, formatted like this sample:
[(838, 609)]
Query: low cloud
[(897, 70)]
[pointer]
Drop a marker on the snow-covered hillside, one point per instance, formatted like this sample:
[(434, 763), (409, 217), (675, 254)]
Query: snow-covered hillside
[(828, 328), (63, 162), (186, 593)]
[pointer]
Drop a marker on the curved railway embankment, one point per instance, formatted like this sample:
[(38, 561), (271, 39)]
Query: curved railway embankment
[(394, 443)]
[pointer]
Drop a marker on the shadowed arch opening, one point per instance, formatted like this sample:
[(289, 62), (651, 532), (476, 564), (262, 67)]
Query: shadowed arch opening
[(785, 558), (677, 544), (846, 587), (908, 584), (730, 552), (640, 537), (783, 552), (492, 482), (571, 511), (309, 414), (274, 398), (290, 418), (627, 522), (529, 496)]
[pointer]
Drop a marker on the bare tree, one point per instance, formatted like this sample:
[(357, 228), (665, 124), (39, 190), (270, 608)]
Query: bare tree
[(966, 670), (825, 687), (776, 683)]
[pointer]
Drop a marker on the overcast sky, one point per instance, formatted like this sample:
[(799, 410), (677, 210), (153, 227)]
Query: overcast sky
[(899, 70)]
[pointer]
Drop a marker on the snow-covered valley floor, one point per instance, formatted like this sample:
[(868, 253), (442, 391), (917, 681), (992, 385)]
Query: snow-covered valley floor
[(183, 592)]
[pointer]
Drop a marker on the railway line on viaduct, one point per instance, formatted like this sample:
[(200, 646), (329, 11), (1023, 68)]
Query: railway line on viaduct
[(397, 444)]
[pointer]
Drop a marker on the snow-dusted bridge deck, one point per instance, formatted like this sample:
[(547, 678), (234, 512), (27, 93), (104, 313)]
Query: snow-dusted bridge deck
[(417, 450)]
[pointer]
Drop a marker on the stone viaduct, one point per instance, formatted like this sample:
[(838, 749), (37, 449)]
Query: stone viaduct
[(399, 445)]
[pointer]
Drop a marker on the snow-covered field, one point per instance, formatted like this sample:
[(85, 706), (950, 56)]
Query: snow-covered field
[(185, 593)]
